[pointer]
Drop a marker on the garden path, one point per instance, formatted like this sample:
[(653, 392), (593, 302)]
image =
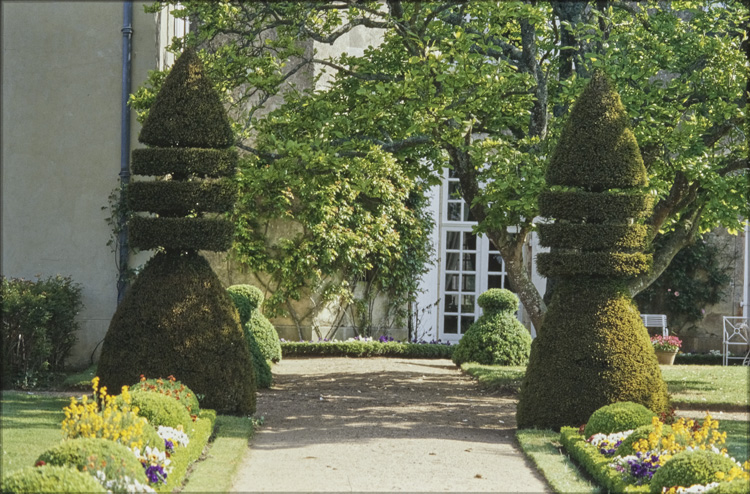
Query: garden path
[(383, 424)]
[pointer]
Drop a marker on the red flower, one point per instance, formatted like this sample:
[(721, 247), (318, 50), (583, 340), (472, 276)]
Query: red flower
[(40, 463)]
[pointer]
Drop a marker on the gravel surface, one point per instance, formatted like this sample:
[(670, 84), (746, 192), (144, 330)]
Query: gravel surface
[(380, 425)]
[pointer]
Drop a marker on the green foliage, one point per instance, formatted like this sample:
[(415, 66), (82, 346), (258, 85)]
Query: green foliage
[(617, 417), (595, 207), (199, 432), (696, 278), (214, 234), (246, 298), (160, 409), (592, 349), (592, 236), (177, 319), (38, 327), (174, 197), (367, 349), (91, 454), (182, 162), (595, 463), (497, 337), (444, 73), (172, 388), (641, 432), (599, 129), (266, 336), (263, 375), (33, 480), (737, 486), (187, 111), (689, 468), (497, 300)]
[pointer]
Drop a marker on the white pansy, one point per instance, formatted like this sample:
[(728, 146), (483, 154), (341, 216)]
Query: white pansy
[(172, 434)]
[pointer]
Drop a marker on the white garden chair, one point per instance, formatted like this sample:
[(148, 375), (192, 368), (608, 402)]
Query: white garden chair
[(656, 321), (736, 335)]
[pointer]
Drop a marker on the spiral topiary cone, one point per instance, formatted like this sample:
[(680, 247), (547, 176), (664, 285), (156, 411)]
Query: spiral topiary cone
[(177, 319), (592, 348)]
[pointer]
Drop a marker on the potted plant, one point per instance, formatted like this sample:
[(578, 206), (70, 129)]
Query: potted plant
[(666, 348)]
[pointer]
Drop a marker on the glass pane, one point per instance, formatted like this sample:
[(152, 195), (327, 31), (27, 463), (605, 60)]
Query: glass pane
[(454, 211), (450, 324), (470, 241), (451, 282), (468, 285), (466, 322), (451, 303), (494, 282), (452, 261), (453, 240), (454, 190), (495, 264), (467, 304), (470, 262)]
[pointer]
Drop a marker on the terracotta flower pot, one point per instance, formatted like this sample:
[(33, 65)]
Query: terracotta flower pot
[(666, 357)]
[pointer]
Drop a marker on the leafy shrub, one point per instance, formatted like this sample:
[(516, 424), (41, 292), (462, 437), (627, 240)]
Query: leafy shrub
[(177, 319), (628, 444), (737, 486), (265, 335), (497, 337), (367, 349), (592, 349), (263, 374), (172, 388), (618, 417), (90, 455), (38, 327), (160, 409), (50, 478), (246, 298), (690, 467)]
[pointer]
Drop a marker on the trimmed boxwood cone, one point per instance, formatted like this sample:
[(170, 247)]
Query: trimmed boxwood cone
[(592, 348), (176, 318)]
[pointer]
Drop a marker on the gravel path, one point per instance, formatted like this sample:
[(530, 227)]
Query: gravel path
[(376, 424)]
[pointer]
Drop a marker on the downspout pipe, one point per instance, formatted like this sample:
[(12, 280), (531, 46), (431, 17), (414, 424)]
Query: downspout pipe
[(124, 248)]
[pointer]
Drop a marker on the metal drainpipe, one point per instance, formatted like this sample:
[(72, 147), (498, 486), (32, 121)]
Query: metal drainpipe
[(127, 33)]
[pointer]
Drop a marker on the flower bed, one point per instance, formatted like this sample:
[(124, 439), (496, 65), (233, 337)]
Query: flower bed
[(367, 347), (91, 424), (685, 451)]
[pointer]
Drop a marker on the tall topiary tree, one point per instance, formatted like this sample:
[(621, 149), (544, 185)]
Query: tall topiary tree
[(592, 348), (176, 318)]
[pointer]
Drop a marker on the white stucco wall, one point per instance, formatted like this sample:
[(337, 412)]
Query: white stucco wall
[(61, 66)]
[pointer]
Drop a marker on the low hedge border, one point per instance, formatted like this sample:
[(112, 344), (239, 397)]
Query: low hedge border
[(199, 433), (595, 463), (366, 349)]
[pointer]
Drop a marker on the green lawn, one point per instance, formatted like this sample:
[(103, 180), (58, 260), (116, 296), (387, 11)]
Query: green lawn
[(714, 386), (30, 425)]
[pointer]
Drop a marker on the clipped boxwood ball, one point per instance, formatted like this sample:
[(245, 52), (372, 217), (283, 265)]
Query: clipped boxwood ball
[(497, 337), (737, 486), (498, 300), (266, 336), (642, 432), (174, 389), (263, 376), (160, 409), (113, 458), (50, 478), (618, 417), (251, 296), (689, 468)]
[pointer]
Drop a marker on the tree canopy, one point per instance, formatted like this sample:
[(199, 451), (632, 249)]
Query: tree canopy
[(481, 87)]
